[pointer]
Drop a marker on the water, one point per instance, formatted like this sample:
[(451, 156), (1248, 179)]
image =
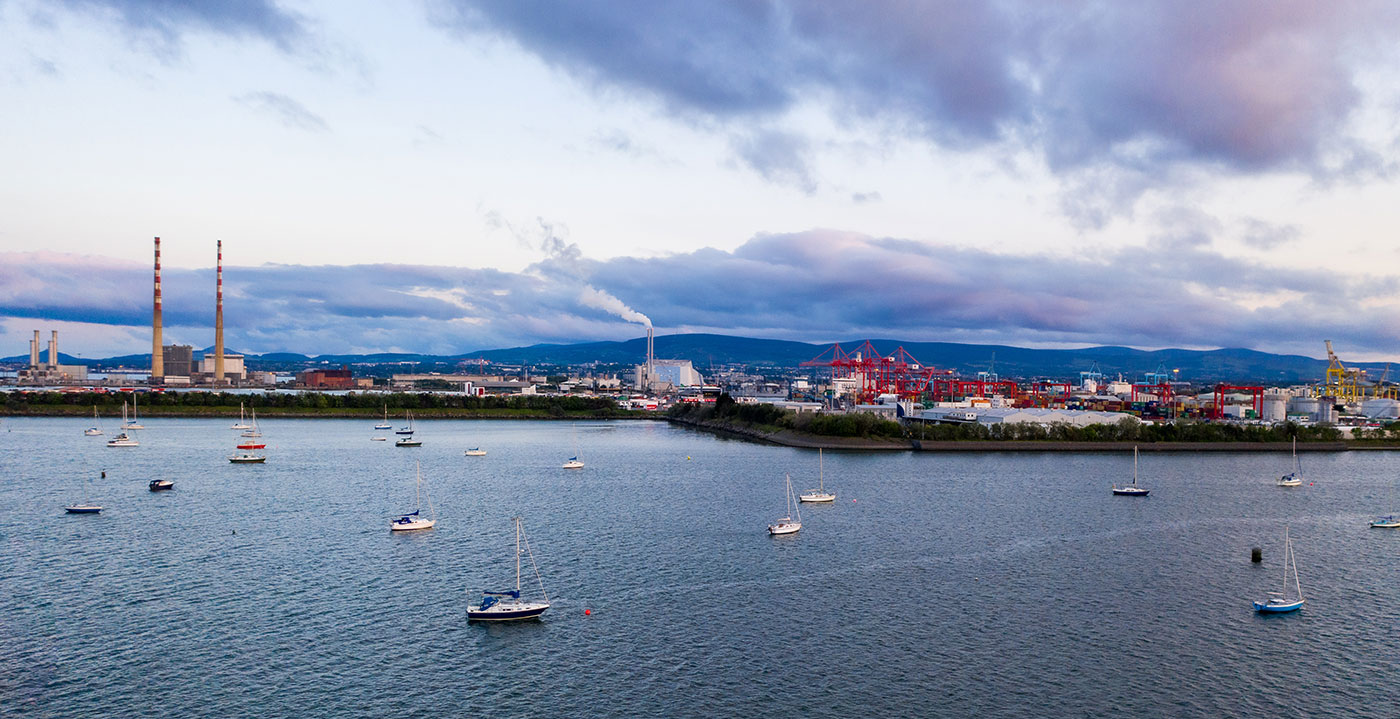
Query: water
[(937, 585)]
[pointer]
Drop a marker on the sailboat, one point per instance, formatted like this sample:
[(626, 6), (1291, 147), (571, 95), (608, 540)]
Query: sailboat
[(1294, 478), (819, 494), (1389, 521), (574, 462), (385, 424), (785, 525), (475, 452), (248, 446), (407, 432), (1132, 490), (135, 421), (252, 432), (123, 439), (84, 507), (241, 424), (1280, 602), (94, 430), (506, 605), (414, 520)]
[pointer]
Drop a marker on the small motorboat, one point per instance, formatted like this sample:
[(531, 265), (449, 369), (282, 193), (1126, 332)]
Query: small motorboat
[(247, 458), (160, 485), (379, 439), (475, 452), (83, 508)]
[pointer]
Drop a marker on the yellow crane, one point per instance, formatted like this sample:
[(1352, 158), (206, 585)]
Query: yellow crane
[(1380, 390), (1340, 381)]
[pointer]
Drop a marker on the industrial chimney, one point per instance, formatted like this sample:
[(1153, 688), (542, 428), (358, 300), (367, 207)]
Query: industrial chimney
[(219, 319), (53, 351), (157, 346), (34, 351), (651, 357)]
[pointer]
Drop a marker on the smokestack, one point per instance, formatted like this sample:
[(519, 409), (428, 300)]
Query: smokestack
[(219, 320), (34, 351), (53, 351), (157, 346), (650, 357)]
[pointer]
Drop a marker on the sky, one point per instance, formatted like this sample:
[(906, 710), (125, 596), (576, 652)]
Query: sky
[(446, 176)]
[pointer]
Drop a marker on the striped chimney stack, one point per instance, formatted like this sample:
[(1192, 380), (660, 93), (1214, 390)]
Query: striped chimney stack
[(219, 319), (157, 346)]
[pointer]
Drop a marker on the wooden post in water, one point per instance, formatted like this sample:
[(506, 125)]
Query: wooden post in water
[(1256, 555)]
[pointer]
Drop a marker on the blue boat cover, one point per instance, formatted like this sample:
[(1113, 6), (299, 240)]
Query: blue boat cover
[(487, 602)]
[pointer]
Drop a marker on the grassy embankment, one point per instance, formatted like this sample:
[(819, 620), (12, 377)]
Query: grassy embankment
[(316, 404)]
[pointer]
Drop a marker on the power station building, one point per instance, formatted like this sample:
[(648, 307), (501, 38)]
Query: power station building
[(175, 364), (49, 370)]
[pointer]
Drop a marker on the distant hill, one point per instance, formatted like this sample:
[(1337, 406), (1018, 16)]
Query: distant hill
[(712, 350)]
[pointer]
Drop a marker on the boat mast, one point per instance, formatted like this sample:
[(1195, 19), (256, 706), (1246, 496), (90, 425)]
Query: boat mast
[(1287, 552), (1134, 466), (821, 472), (517, 558)]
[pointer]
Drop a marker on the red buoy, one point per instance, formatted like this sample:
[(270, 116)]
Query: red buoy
[(587, 612)]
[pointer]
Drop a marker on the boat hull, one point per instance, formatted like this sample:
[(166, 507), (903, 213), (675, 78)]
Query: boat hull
[(573, 465), (475, 453), (507, 612), (409, 443), (1386, 523), (83, 509), (785, 528), (93, 432), (160, 485), (412, 525), (1130, 492), (816, 497), (247, 460), (1277, 608)]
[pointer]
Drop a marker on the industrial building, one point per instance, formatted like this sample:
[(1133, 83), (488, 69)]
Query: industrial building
[(327, 378), (1014, 415), (49, 370)]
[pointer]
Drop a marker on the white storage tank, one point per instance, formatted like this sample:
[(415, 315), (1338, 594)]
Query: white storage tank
[(1275, 408)]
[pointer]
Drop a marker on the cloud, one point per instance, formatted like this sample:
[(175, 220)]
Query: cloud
[(285, 109), (167, 21), (779, 157), (1107, 94), (817, 286)]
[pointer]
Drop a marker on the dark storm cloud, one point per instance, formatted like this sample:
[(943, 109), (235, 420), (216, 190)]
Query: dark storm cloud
[(1250, 85), (816, 286), (170, 20)]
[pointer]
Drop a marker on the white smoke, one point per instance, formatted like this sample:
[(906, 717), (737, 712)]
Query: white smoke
[(591, 296), (566, 258)]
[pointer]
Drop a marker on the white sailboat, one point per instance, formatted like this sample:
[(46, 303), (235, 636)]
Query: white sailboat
[(135, 421), (407, 440), (574, 462), (242, 423), (507, 605), (123, 439), (94, 430), (409, 429), (1131, 490), (385, 424), (819, 494), (1281, 602), (475, 452), (414, 520), (253, 431), (786, 525), (1389, 521), (84, 507), (1294, 478)]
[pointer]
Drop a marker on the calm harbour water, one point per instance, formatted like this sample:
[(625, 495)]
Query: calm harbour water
[(1005, 585)]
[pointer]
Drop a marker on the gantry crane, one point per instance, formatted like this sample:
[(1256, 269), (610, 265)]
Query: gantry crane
[(1340, 381)]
